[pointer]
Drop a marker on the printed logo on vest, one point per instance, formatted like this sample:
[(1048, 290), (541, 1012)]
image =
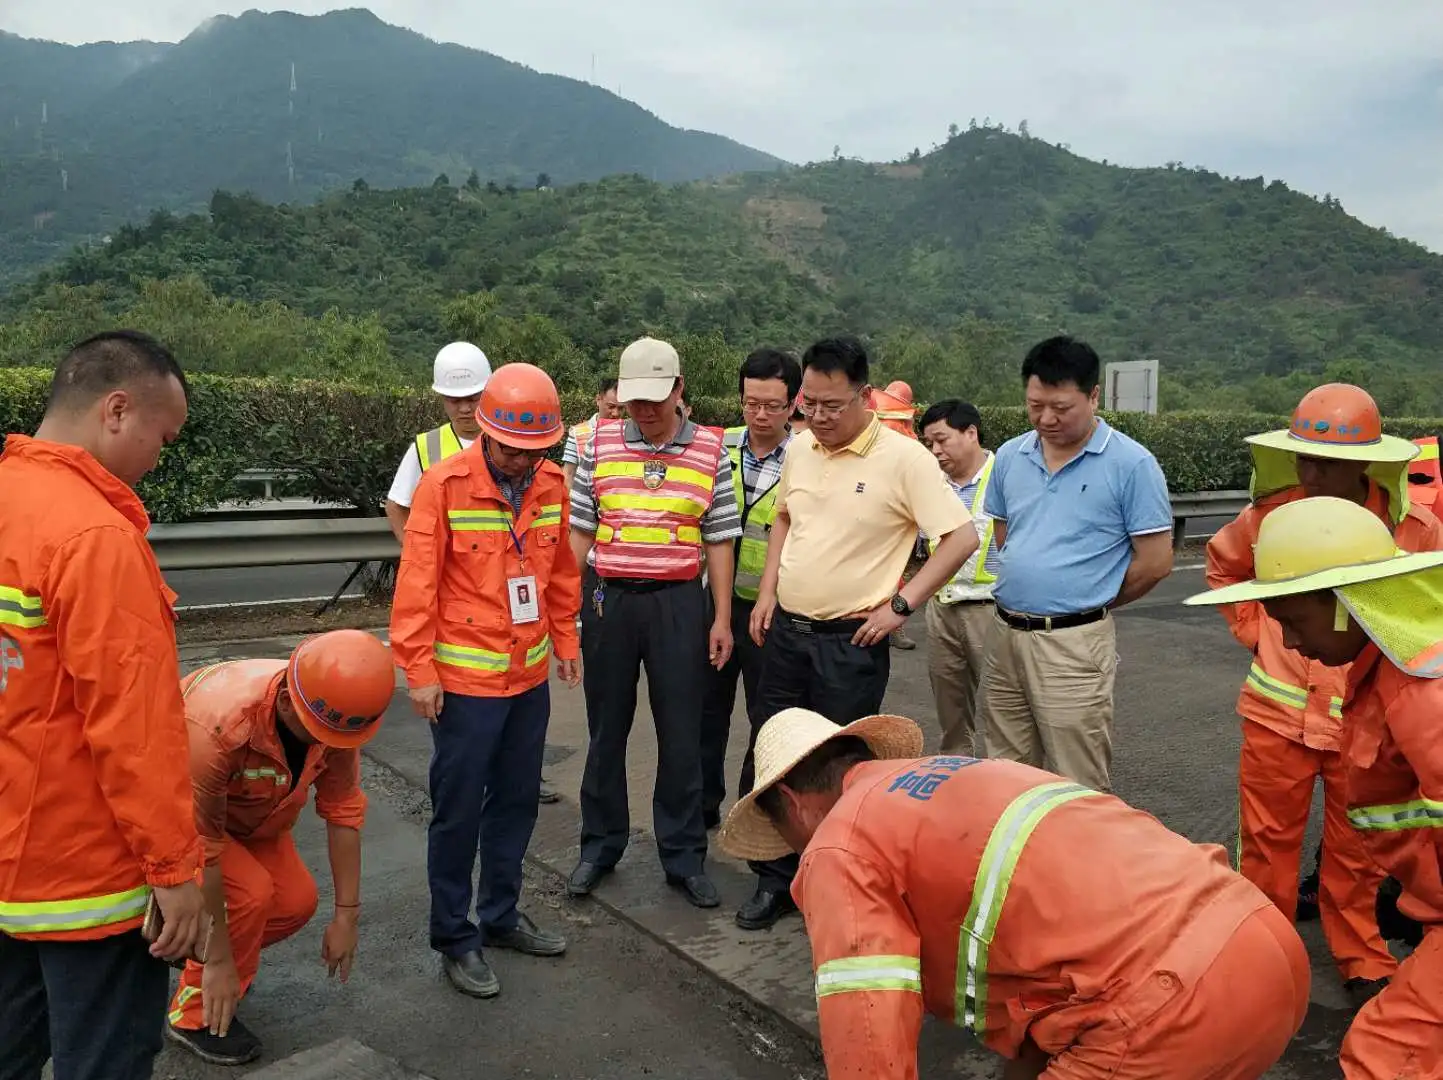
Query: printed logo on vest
[(653, 474)]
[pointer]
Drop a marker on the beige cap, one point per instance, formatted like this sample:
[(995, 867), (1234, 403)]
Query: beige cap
[(648, 372)]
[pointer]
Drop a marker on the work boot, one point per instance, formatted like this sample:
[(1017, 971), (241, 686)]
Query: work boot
[(1361, 991), (900, 640), (764, 909), (472, 975), (548, 793), (526, 937), (1307, 909), (236, 1047)]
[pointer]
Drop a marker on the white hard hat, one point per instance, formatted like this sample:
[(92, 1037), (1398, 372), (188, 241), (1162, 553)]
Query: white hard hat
[(461, 370)]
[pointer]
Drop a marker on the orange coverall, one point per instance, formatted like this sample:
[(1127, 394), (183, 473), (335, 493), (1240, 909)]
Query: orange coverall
[(1292, 708), (1394, 761), (90, 712), (246, 803), (1028, 909)]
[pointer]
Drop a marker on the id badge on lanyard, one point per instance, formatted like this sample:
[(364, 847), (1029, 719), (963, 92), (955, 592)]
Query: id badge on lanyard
[(521, 591)]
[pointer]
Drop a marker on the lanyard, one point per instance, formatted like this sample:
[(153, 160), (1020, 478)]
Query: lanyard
[(516, 539)]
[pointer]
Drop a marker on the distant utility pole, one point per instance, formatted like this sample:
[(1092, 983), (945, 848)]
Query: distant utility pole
[(290, 166), (593, 69), (291, 103)]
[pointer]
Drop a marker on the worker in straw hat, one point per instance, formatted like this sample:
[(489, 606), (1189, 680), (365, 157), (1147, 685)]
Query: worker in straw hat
[(1331, 575), (1290, 705), (1095, 941)]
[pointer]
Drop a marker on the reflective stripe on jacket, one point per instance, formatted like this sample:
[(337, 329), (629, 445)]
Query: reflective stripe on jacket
[(244, 789), (1298, 698), (649, 506), (999, 897), (95, 801), (1394, 759), (757, 520), (973, 573), (451, 617), (438, 444)]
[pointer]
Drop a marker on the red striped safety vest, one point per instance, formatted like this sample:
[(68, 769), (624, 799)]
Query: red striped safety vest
[(651, 505)]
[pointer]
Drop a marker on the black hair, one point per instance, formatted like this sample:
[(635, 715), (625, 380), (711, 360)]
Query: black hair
[(606, 385), (108, 362), (769, 363), (844, 354), (821, 770), (955, 413), (1063, 359)]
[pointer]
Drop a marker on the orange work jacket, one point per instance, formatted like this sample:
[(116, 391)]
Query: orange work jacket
[(1394, 762), (95, 799), (451, 618), (1004, 899), (1297, 698), (244, 789)]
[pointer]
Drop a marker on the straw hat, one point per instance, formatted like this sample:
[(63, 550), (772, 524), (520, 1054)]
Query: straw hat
[(785, 740)]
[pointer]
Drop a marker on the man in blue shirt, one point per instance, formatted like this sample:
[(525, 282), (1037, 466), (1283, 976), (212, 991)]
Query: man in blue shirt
[(1084, 525)]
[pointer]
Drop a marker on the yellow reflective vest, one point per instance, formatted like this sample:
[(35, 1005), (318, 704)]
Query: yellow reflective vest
[(973, 572), (757, 522), (437, 445)]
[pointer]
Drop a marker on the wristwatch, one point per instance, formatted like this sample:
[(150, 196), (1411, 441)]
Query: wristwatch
[(900, 605)]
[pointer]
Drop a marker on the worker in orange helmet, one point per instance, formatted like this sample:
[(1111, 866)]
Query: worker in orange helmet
[(1073, 935), (1292, 705), (1331, 575), (262, 734), (894, 408), (488, 590)]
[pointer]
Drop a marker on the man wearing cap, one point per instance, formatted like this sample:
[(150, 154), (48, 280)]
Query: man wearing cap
[(1292, 706), (1093, 941), (1329, 572), (651, 493), (488, 590)]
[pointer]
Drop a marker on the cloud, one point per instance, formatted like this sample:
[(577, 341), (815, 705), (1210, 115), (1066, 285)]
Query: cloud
[(1328, 95)]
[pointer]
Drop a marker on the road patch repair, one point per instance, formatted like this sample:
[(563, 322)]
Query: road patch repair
[(739, 1003)]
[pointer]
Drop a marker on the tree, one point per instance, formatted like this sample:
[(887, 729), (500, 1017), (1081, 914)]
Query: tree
[(473, 182), (543, 181), (916, 154), (442, 181), (360, 187), (836, 152), (1022, 129), (952, 129)]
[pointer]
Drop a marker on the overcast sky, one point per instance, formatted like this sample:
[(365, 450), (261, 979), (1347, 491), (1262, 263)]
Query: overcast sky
[(1340, 96)]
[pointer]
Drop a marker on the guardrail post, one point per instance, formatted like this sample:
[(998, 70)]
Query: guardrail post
[(1179, 532)]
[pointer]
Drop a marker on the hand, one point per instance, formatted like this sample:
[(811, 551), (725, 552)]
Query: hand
[(220, 992), (185, 921), (338, 944), (881, 621), (761, 620), (427, 701), (569, 672), (719, 644)]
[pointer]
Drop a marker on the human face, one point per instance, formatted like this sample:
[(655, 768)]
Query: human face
[(765, 408), (513, 462), (657, 420), (956, 451), (607, 407), (1062, 414), (462, 413), (802, 814), (1329, 476), (1307, 623), (835, 409), (137, 422)]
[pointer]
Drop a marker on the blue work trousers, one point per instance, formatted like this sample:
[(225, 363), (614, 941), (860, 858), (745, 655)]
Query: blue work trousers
[(486, 762)]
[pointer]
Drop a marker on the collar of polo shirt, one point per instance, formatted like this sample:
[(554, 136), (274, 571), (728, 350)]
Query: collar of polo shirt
[(860, 445)]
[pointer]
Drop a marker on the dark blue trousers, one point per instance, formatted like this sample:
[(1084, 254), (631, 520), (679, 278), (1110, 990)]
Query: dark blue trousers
[(485, 780), (95, 1007)]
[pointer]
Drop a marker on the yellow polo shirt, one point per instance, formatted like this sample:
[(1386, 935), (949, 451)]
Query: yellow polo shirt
[(854, 517)]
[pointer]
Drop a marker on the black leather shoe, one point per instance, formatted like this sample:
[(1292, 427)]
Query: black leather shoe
[(697, 888), (472, 975), (586, 877), (764, 909), (236, 1047), (1361, 991), (526, 937)]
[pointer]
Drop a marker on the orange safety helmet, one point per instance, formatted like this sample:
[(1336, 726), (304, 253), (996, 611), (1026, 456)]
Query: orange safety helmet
[(900, 390), (340, 684), (1338, 420), (520, 407)]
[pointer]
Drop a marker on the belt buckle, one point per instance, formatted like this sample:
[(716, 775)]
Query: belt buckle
[(802, 626)]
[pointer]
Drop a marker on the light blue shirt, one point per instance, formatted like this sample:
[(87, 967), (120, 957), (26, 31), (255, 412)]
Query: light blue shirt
[(1069, 534)]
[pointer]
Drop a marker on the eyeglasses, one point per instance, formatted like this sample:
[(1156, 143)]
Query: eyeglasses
[(772, 408), (826, 408)]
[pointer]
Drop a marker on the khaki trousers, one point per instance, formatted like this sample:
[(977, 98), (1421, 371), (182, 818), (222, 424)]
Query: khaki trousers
[(956, 651), (1047, 699)]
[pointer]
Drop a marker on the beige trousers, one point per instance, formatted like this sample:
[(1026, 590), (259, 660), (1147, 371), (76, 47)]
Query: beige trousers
[(956, 649), (1047, 699)]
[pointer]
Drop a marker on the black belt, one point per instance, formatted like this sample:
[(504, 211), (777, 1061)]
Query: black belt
[(642, 585), (821, 626), (1018, 621)]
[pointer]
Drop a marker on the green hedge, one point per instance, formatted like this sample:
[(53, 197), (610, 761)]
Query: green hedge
[(345, 441)]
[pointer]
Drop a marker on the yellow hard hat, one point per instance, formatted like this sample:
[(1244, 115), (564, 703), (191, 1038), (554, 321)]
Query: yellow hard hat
[(1315, 544)]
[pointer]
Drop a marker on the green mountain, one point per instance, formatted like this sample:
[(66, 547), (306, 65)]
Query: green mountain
[(952, 263), (288, 107)]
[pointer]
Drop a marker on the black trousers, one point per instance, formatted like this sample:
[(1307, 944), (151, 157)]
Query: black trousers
[(721, 697), (823, 672), (664, 630), (95, 1007)]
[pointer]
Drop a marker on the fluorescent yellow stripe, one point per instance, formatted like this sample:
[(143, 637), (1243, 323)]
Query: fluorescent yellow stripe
[(860, 974), (538, 654), (1283, 693), (20, 609), (657, 504), (675, 474), (54, 916), (467, 657), (1395, 817)]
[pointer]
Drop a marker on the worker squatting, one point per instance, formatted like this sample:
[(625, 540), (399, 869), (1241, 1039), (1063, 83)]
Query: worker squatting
[(1072, 934)]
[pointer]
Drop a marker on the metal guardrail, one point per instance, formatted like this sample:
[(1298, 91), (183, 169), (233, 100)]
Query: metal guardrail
[(229, 545)]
